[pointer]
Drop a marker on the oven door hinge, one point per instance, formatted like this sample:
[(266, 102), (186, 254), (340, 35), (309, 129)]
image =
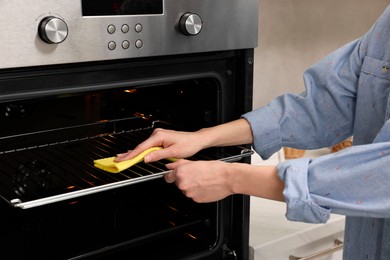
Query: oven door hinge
[(228, 253)]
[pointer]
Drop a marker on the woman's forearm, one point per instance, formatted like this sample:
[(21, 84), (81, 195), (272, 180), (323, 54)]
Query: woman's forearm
[(232, 133), (255, 180), (207, 181)]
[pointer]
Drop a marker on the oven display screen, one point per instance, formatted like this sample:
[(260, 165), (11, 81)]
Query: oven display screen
[(121, 7)]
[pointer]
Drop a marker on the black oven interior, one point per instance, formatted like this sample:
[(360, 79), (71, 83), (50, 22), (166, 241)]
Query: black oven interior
[(56, 121)]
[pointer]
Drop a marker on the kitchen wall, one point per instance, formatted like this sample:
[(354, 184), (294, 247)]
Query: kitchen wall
[(293, 34)]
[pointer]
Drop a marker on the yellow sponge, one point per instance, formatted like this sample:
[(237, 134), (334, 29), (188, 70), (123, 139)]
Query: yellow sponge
[(109, 164)]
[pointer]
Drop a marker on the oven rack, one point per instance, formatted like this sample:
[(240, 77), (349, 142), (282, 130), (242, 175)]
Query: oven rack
[(63, 171)]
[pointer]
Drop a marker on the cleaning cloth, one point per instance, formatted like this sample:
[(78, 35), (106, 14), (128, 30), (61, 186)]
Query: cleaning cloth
[(109, 164)]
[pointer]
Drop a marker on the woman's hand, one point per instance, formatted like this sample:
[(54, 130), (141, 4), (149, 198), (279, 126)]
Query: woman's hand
[(176, 144), (202, 181)]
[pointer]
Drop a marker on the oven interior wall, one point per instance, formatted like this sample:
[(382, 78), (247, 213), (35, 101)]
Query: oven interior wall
[(187, 104), (64, 105)]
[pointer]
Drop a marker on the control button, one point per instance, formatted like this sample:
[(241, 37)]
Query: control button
[(190, 24), (53, 30), (111, 45), (138, 27), (139, 43), (125, 28), (125, 45), (111, 29)]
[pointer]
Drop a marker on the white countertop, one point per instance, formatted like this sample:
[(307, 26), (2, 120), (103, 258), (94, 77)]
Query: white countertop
[(271, 232)]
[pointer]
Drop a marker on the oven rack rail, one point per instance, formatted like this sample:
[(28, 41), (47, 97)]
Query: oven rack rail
[(64, 171)]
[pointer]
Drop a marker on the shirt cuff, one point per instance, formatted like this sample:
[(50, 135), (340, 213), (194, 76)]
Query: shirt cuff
[(300, 206), (266, 131)]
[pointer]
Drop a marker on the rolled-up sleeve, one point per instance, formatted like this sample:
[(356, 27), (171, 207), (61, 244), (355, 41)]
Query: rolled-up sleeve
[(352, 182), (266, 128), (300, 205)]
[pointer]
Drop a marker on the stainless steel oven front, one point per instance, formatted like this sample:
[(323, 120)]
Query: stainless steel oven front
[(86, 79), (47, 32)]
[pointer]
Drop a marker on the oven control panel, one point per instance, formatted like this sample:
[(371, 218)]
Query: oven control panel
[(46, 32)]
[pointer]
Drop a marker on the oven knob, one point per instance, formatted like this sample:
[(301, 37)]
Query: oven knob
[(53, 30), (190, 24)]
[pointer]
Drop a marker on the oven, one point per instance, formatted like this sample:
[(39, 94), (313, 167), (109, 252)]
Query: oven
[(82, 80)]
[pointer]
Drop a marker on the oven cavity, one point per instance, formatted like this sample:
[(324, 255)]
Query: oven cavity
[(48, 145)]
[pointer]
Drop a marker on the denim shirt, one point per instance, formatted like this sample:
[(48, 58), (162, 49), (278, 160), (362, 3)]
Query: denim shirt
[(346, 94)]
